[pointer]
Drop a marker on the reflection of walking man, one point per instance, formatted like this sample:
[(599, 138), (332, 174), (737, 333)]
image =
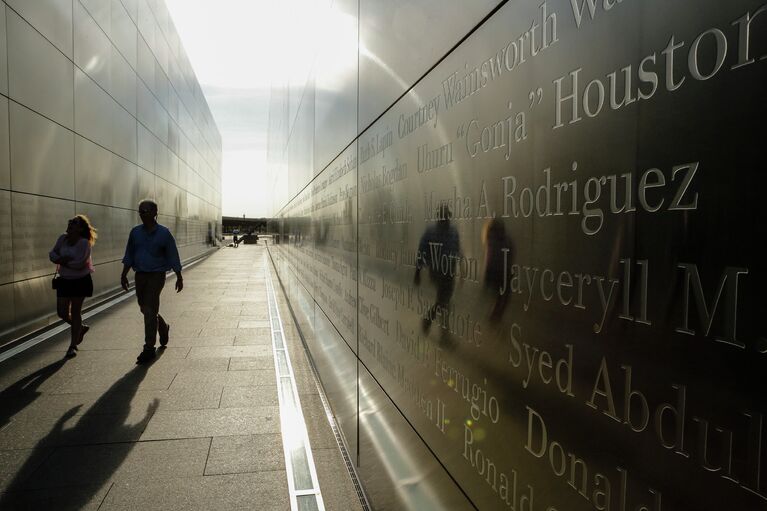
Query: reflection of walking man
[(439, 241), (151, 251)]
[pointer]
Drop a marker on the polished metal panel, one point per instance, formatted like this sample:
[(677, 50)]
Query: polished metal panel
[(335, 82), (300, 234), (146, 142), (93, 111), (333, 233), (5, 157), (124, 32), (193, 206), (42, 154), (173, 133), (337, 368), (300, 149), (100, 217), (548, 354), (173, 101), (145, 106), (123, 82), (303, 307), (162, 195), (106, 277), (480, 340), (40, 77), (173, 206), (146, 23), (182, 234), (71, 129), (123, 220), (93, 49), (184, 175), (162, 53), (396, 467), (125, 175), (37, 224), (145, 63), (100, 11), (167, 163), (3, 52), (7, 311), (161, 85), (52, 18), (160, 127), (32, 300), (171, 222), (102, 177), (401, 39), (124, 133), (183, 203), (131, 6), (6, 238), (99, 118)]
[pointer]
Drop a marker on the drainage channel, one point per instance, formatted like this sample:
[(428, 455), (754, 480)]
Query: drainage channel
[(304, 487)]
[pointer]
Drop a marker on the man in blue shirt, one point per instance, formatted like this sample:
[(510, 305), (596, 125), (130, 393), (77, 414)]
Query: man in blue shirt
[(439, 242), (151, 251)]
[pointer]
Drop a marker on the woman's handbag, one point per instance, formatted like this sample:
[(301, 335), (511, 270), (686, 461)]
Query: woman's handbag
[(56, 280)]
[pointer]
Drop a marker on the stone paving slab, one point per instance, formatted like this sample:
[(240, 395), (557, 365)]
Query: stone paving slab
[(199, 428), (143, 461), (251, 363), (210, 423), (238, 397), (207, 352), (264, 491), (180, 398), (16, 464), (83, 497), (242, 454), (225, 378)]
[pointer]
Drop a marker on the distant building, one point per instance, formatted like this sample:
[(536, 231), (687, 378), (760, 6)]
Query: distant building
[(242, 224)]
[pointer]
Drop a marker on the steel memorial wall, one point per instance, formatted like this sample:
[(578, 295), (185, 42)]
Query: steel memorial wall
[(541, 266), (99, 109)]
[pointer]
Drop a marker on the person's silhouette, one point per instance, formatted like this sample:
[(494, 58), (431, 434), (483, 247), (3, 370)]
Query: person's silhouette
[(107, 419), (439, 248)]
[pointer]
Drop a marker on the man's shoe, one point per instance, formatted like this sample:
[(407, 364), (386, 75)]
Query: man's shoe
[(164, 335), (146, 356)]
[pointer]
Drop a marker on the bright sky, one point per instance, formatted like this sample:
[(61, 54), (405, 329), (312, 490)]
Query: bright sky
[(231, 45)]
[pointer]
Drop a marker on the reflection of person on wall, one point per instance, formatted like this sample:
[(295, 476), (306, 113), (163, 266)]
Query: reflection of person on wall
[(439, 243), (495, 242)]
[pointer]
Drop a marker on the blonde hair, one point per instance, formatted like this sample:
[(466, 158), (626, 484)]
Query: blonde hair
[(88, 231)]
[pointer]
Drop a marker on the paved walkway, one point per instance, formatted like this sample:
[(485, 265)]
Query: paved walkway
[(197, 429)]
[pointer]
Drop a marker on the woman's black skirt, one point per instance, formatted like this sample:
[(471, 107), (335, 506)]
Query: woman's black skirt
[(75, 288)]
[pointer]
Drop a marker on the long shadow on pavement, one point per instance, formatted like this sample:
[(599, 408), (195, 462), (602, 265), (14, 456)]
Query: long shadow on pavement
[(85, 456), (22, 393)]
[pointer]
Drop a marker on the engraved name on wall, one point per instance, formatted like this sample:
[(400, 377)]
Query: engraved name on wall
[(555, 231), (556, 286)]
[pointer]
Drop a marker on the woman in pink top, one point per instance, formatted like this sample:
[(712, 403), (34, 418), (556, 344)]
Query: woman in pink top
[(72, 256)]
